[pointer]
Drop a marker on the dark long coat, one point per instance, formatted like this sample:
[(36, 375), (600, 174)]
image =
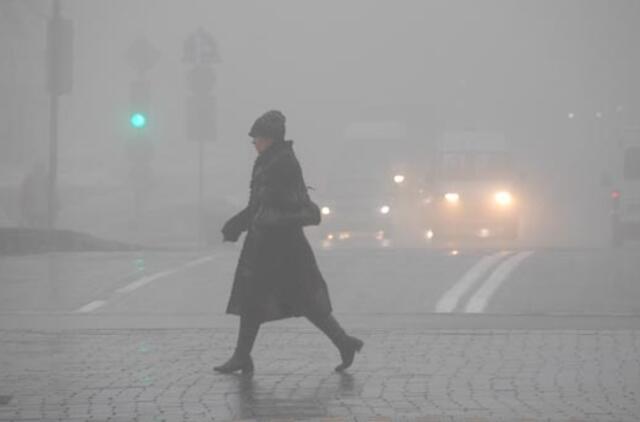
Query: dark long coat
[(277, 275)]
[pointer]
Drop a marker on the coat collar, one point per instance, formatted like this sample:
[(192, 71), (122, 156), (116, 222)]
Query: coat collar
[(264, 160), (273, 151)]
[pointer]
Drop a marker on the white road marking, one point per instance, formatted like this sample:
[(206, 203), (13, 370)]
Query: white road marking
[(478, 302), (91, 306), (198, 261), (143, 282), (151, 278), (451, 297)]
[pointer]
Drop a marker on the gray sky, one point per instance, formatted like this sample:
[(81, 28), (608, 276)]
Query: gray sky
[(491, 56), (517, 67)]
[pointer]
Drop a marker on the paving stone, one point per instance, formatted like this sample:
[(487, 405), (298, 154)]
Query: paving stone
[(427, 375)]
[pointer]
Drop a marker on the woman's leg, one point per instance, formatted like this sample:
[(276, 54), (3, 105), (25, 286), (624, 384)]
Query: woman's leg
[(330, 327), (346, 344), (241, 359), (247, 334)]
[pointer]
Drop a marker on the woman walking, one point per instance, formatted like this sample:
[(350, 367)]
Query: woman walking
[(277, 276)]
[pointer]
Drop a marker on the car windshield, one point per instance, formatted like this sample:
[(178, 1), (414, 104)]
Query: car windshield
[(474, 166)]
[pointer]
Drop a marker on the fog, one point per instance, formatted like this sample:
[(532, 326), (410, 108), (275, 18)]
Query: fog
[(469, 250), (557, 78)]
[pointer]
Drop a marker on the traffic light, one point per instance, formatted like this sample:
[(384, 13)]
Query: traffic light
[(139, 145), (140, 102), (138, 120)]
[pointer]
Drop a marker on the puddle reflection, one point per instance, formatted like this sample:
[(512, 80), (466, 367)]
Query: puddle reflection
[(253, 400)]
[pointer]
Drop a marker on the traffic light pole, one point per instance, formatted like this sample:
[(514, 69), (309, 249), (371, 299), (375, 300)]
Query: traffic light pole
[(53, 134), (53, 161), (59, 82), (201, 238)]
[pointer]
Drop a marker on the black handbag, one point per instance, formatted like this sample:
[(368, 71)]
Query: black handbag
[(296, 209)]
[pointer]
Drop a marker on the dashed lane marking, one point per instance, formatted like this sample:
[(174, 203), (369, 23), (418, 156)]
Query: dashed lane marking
[(92, 306), (151, 278)]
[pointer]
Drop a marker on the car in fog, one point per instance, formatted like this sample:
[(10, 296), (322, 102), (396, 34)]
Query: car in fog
[(470, 191), (625, 193), (360, 211), (368, 194)]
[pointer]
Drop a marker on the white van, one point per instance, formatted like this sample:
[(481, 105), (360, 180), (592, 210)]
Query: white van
[(471, 190)]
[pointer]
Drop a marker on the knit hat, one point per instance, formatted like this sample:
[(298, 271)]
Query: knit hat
[(269, 125)]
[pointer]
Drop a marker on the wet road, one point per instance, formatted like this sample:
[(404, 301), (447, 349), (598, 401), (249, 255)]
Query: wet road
[(361, 282), (484, 334)]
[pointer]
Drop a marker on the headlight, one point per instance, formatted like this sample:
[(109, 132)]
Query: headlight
[(385, 209), (452, 197), (484, 233), (326, 210), (398, 178), (503, 198)]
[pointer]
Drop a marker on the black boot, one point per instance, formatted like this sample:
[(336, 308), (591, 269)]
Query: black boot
[(348, 351), (235, 363), (346, 344), (241, 359)]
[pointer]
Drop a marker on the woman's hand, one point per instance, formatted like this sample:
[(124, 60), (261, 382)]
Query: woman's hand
[(230, 232), (233, 228)]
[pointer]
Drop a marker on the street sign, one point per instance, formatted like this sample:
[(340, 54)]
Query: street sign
[(201, 51), (142, 55), (201, 48)]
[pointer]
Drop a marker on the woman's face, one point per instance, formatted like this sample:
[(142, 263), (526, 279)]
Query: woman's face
[(262, 144)]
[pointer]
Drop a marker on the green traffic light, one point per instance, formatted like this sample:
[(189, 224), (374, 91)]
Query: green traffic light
[(138, 120)]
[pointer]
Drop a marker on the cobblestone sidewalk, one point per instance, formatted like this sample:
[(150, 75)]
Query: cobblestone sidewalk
[(410, 374)]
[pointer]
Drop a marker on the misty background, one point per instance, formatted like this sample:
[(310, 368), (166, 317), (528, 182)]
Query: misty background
[(559, 78)]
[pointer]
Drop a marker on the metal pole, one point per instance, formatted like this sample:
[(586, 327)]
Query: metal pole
[(201, 194), (53, 161), (53, 133)]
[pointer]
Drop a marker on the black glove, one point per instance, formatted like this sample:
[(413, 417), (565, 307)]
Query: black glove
[(230, 233)]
